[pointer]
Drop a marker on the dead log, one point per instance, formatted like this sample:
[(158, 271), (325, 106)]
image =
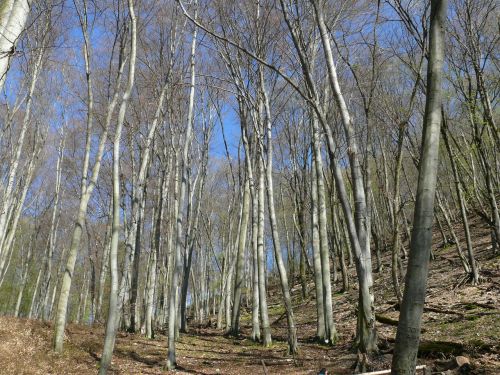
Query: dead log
[(386, 320), (423, 368), (445, 347), (442, 311), (389, 321), (433, 347)]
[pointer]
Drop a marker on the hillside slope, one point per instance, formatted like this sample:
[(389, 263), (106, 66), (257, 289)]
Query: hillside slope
[(458, 320)]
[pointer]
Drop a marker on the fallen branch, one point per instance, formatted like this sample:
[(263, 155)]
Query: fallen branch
[(391, 322), (441, 311), (433, 347), (264, 366), (467, 305), (386, 320), (278, 319), (446, 347), (381, 372)]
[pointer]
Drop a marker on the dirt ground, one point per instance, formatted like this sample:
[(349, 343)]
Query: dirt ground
[(458, 320)]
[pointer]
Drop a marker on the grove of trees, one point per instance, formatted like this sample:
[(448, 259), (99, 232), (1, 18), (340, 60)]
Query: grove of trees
[(162, 161)]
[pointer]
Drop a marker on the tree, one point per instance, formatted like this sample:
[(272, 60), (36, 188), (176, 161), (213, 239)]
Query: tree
[(89, 177), (111, 322), (13, 18), (408, 333), (180, 200)]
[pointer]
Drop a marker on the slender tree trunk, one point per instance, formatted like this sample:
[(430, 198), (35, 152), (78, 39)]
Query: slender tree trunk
[(408, 332), (395, 211), (154, 256), (242, 238), (104, 264), (112, 321), (82, 300), (292, 331), (33, 298), (266, 328), (454, 237), (303, 254), (341, 251), (356, 224), (192, 233), (52, 235), (24, 276), (177, 267), (463, 212), (316, 247), (255, 267), (87, 186), (330, 333), (136, 255), (289, 245), (138, 202)]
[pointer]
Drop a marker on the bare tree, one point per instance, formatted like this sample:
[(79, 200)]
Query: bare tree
[(408, 333), (111, 322), (177, 266), (88, 181)]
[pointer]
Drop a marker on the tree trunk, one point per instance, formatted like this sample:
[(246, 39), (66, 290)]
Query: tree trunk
[(104, 264), (408, 332), (266, 329), (87, 186), (330, 333), (49, 255), (177, 267), (461, 200), (255, 267), (454, 237), (155, 255), (240, 271), (112, 321), (316, 247), (287, 299), (10, 31), (24, 276)]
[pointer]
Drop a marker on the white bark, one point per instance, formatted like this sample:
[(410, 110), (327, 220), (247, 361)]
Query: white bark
[(13, 17)]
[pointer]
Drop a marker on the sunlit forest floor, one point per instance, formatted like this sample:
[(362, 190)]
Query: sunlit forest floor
[(458, 320)]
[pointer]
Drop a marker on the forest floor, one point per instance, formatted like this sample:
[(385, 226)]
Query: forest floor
[(458, 320)]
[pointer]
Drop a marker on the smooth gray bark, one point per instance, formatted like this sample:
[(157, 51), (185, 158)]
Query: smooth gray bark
[(330, 330), (255, 267), (112, 321), (239, 275), (177, 266), (192, 234), (87, 186), (410, 318), (316, 247), (261, 257), (287, 299)]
